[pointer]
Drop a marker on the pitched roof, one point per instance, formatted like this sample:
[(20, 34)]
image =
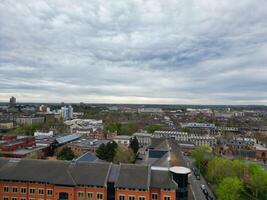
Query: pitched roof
[(162, 179), (55, 172), (133, 176), (88, 156), (67, 138)]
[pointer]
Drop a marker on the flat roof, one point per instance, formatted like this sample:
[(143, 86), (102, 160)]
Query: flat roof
[(180, 170)]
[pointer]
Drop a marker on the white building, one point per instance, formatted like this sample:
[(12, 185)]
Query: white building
[(67, 112), (150, 110), (123, 139), (144, 139), (198, 140), (49, 134), (180, 136)]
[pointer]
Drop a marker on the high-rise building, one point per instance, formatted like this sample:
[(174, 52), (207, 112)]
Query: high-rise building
[(12, 101), (67, 112)]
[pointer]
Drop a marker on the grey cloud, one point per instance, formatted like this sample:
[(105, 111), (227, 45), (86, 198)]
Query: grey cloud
[(185, 51)]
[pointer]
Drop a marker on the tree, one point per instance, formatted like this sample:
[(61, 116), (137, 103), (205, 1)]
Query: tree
[(134, 145), (124, 155), (65, 154), (111, 150), (220, 168), (230, 189), (107, 151), (257, 181), (201, 155), (128, 129), (152, 128), (113, 127)]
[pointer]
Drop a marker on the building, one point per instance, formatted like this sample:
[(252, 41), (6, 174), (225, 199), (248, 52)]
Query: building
[(6, 125), (144, 139), (49, 134), (30, 120), (21, 147), (198, 140), (12, 101), (67, 112), (82, 146), (84, 126), (241, 148), (66, 180), (43, 109), (177, 135), (197, 125), (123, 139), (150, 110)]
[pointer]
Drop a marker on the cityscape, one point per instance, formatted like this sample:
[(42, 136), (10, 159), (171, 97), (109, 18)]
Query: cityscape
[(115, 151), (133, 100)]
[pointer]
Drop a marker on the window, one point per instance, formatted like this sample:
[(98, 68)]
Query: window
[(14, 198), (89, 195), (154, 196), (121, 197), (22, 198), (32, 190), (99, 196), (23, 190), (80, 195), (5, 198), (131, 197), (49, 192), (5, 189), (41, 191), (31, 198), (167, 198), (15, 189), (142, 198)]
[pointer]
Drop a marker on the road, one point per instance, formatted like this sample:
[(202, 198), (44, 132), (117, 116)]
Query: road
[(196, 184)]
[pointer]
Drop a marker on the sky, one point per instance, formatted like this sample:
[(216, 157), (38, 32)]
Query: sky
[(134, 51)]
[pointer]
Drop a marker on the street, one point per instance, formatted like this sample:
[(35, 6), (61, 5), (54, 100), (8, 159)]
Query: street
[(196, 184)]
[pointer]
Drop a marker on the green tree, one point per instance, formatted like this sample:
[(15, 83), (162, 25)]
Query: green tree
[(65, 154), (124, 155), (113, 127), (152, 128), (128, 129), (257, 181), (201, 155), (107, 151), (230, 189), (220, 168), (134, 145), (200, 119)]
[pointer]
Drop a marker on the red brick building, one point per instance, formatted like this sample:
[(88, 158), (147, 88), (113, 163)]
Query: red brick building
[(64, 180), (12, 143)]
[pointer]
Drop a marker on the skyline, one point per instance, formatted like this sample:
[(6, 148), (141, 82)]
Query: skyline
[(137, 52)]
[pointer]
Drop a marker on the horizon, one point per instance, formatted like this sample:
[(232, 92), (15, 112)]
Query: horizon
[(134, 52)]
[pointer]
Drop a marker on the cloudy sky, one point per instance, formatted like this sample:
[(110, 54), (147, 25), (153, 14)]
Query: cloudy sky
[(134, 51)]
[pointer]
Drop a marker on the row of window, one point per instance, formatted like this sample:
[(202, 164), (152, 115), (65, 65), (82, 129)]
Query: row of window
[(154, 197), (15, 198), (99, 196), (23, 190)]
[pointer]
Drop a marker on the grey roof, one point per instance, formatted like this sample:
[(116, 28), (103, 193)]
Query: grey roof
[(162, 179), (84, 173), (133, 176), (54, 172), (113, 173), (88, 156), (67, 138)]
